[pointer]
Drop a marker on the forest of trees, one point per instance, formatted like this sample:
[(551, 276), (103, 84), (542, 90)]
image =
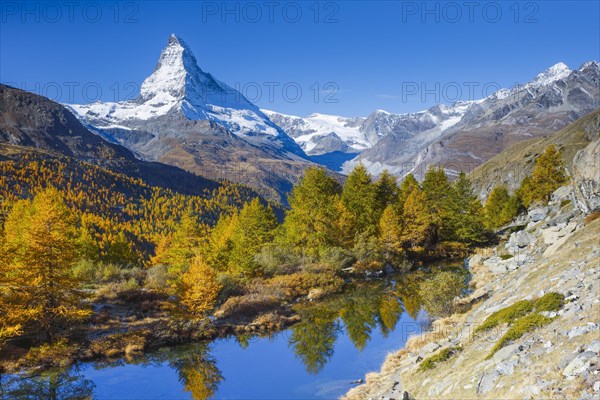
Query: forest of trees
[(547, 176), (70, 227)]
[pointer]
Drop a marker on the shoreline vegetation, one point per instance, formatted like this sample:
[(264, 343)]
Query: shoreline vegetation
[(110, 267)]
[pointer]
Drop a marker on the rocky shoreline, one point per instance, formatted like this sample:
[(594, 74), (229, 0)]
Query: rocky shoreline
[(552, 249)]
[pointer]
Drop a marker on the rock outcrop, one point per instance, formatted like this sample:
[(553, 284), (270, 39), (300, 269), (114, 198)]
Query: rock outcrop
[(586, 177), (515, 163), (558, 251)]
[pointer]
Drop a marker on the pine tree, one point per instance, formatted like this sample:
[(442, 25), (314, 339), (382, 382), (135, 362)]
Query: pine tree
[(87, 244), (418, 223), (198, 289), (359, 198), (494, 207), (408, 185), (40, 245), (547, 176), (182, 246), (467, 218), (121, 251), (438, 194), (12, 314), (255, 227), (511, 209), (310, 222), (390, 227), (386, 192), (220, 243)]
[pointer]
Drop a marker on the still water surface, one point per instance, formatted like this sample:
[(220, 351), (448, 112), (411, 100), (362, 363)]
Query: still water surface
[(338, 341)]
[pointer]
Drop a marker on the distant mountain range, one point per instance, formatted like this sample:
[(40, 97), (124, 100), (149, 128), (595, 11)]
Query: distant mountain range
[(186, 118), (458, 136)]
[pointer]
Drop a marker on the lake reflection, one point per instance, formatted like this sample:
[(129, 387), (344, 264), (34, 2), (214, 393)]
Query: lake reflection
[(338, 340)]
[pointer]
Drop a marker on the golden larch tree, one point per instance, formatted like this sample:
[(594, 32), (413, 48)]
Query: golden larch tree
[(198, 289), (40, 250)]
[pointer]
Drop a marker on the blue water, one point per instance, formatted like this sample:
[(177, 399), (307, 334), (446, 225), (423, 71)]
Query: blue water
[(337, 341), (266, 369)]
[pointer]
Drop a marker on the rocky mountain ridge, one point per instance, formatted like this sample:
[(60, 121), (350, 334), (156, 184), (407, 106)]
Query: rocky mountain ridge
[(460, 136), (552, 248)]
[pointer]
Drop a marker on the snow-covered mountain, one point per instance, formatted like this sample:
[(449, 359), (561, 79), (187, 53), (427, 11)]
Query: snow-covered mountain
[(458, 136), (179, 86), (322, 136), (480, 129), (186, 117), (319, 133)]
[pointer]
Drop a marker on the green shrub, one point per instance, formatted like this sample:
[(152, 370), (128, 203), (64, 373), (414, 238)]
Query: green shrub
[(520, 327), (157, 278), (368, 253), (275, 258), (549, 302), (230, 286), (438, 293), (442, 356), (506, 256), (130, 284), (108, 273), (299, 284), (85, 271), (507, 315), (335, 258)]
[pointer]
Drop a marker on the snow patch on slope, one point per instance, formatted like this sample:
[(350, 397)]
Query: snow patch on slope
[(305, 131)]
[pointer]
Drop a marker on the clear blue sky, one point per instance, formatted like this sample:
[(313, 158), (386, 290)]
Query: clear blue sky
[(391, 55)]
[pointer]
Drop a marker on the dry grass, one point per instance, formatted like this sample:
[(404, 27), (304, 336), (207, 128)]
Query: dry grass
[(119, 344), (441, 329), (592, 217), (248, 305)]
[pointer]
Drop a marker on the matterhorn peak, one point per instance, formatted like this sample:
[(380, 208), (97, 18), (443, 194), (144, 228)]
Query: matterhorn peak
[(179, 88), (176, 65)]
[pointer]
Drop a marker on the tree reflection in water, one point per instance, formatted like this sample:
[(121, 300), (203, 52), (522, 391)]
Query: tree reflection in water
[(195, 367), (50, 385), (313, 338), (198, 372), (365, 307)]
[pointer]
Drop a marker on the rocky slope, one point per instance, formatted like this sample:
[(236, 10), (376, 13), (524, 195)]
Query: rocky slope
[(480, 129), (186, 117), (513, 164), (552, 248), (557, 251), (33, 123)]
